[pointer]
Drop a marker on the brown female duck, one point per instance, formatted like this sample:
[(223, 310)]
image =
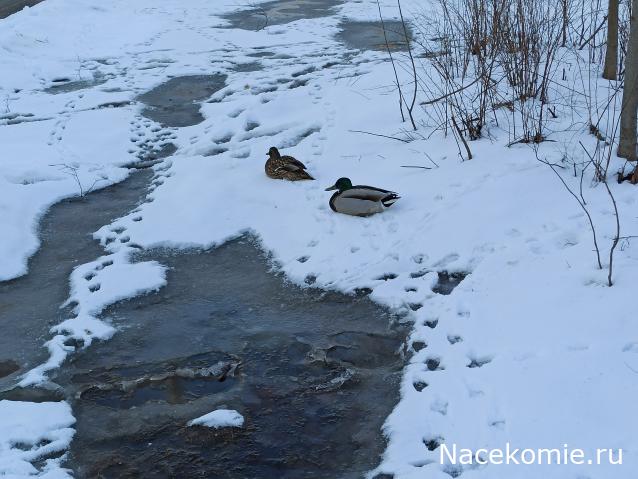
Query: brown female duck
[(285, 167)]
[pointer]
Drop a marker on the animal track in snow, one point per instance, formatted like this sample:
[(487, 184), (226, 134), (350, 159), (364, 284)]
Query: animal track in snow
[(216, 151), (223, 139), (431, 323), (453, 470), (479, 362), (419, 274), (241, 153), (387, 277), (251, 125), (420, 385), (453, 338), (433, 442), (299, 137), (439, 406), (418, 345), (305, 71), (94, 287), (104, 264), (434, 364)]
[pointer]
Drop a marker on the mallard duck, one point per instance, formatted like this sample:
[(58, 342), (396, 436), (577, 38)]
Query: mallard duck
[(360, 200), (285, 167)]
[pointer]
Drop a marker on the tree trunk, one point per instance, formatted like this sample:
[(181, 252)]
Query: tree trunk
[(566, 22), (627, 142), (611, 57)]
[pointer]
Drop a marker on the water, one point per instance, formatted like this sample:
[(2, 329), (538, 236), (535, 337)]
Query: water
[(30, 305), (176, 102), (9, 7), (315, 374), (66, 85), (369, 35), (280, 12)]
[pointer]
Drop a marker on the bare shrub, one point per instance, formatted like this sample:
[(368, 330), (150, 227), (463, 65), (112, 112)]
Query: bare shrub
[(490, 54)]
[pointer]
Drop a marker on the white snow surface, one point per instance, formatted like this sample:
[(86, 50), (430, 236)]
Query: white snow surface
[(29, 431), (219, 418), (558, 348)]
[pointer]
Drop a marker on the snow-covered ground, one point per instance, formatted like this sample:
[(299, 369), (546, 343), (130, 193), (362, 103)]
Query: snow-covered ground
[(533, 348)]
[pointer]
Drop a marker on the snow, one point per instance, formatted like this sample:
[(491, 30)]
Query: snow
[(557, 347), (219, 418), (29, 431)]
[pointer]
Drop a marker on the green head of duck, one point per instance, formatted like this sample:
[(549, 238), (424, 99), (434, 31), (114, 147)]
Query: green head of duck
[(342, 184)]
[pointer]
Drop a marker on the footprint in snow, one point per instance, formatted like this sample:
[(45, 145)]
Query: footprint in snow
[(415, 306), (479, 362), (446, 260), (433, 442), (439, 406), (419, 385), (434, 364), (103, 265), (418, 346), (431, 323), (419, 274), (251, 125), (454, 470), (386, 277)]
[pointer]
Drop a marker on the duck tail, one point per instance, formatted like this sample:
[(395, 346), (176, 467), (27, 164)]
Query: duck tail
[(390, 200)]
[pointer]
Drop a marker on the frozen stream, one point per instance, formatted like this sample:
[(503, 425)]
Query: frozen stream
[(315, 374)]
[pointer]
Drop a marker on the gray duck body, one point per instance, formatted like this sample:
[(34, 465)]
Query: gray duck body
[(361, 200)]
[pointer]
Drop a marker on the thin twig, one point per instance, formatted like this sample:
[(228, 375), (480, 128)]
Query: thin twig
[(591, 222), (379, 134)]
